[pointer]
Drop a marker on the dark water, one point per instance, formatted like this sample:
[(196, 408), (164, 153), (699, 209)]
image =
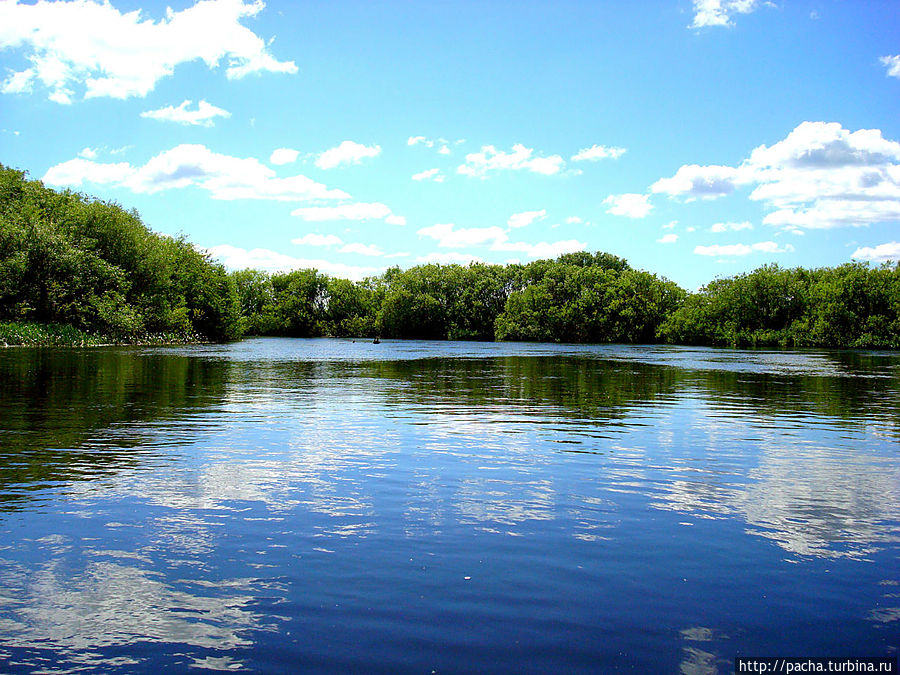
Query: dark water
[(324, 506)]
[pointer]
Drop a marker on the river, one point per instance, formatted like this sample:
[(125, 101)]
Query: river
[(334, 506)]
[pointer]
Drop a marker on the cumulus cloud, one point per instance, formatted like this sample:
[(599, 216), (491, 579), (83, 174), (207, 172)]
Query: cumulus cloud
[(526, 218), (223, 176), (597, 152), (698, 182), (316, 239), (448, 235), (430, 174), (448, 258), (442, 143), (361, 249), (92, 45), (719, 12), (542, 249), (347, 152), (236, 258), (742, 249), (819, 176), (88, 153), (574, 220), (283, 156), (731, 227), (668, 239), (353, 211), (629, 205), (203, 116), (880, 253), (892, 63), (479, 164)]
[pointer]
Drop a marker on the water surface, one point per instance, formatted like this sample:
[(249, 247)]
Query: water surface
[(330, 506)]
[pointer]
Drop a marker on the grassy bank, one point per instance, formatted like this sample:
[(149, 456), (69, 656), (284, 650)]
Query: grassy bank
[(31, 334)]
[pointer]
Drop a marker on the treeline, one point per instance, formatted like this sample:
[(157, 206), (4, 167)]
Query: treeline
[(579, 297), (68, 259), (852, 305), (71, 260)]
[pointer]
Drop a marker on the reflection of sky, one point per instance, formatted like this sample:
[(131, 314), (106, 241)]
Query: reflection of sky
[(811, 490), (113, 603), (816, 491), (303, 460)]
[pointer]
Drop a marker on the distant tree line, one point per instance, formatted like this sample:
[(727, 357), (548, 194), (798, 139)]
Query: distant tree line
[(68, 259)]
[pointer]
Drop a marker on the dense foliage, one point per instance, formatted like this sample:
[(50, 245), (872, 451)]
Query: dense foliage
[(852, 305), (67, 259), (579, 297), (81, 264)]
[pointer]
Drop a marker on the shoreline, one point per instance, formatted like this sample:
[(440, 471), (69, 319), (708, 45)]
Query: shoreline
[(34, 334)]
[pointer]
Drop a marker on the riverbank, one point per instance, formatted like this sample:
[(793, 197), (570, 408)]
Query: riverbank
[(32, 334)]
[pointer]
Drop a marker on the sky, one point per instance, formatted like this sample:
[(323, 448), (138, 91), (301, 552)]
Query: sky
[(695, 138)]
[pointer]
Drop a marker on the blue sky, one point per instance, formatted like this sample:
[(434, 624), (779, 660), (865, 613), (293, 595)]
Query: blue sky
[(696, 139)]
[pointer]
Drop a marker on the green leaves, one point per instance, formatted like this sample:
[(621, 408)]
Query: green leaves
[(68, 259)]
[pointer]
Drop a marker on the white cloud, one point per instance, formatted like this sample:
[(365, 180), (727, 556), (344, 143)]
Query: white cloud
[(668, 239), (283, 156), (347, 152), (361, 249), (315, 239), (93, 45), (61, 96), (497, 239), (597, 152), (526, 218), (698, 182), (819, 176), (19, 83), (573, 220), (430, 174), (731, 227), (202, 116), (827, 214), (271, 261), (742, 249), (670, 225), (628, 205), (719, 12), (880, 253), (223, 176), (443, 143), (479, 164), (541, 249), (77, 171), (88, 153), (448, 258), (893, 65), (448, 236), (824, 145), (354, 211)]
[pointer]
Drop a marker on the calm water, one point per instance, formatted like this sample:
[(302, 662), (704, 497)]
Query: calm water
[(329, 506)]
